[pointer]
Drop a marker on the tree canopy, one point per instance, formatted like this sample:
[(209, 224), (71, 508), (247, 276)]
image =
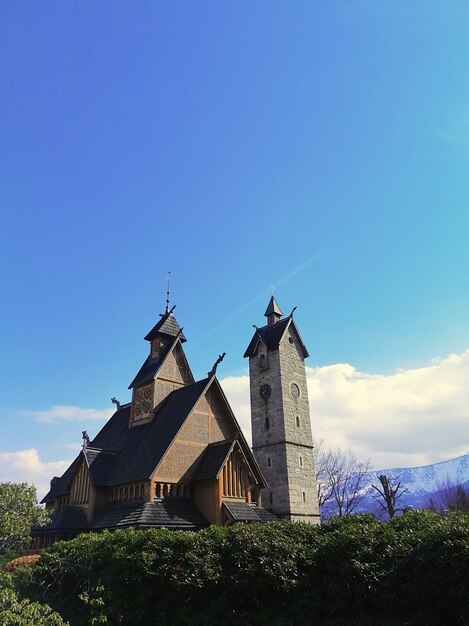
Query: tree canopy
[(19, 511)]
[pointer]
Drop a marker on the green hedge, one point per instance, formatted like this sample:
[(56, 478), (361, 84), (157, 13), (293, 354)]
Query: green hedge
[(411, 570)]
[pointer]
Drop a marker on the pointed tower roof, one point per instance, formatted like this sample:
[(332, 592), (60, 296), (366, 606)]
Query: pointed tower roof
[(167, 325), (273, 307)]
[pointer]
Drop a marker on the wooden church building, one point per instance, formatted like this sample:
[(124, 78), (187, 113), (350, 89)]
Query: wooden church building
[(173, 457)]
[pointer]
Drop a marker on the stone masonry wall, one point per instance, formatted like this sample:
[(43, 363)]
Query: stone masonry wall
[(286, 455)]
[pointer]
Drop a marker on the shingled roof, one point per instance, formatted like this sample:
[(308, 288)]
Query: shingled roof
[(167, 325), (150, 368), (60, 485), (271, 336), (244, 512), (100, 464), (69, 518), (212, 460), (119, 454), (169, 512)]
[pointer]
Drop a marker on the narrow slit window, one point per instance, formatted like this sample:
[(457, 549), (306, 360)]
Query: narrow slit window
[(268, 462), (267, 423), (304, 496), (301, 461), (297, 421)]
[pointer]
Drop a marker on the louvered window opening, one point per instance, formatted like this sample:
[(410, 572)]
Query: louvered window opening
[(81, 486), (235, 478)]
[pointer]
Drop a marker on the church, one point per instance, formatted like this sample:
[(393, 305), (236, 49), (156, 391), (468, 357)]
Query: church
[(175, 456)]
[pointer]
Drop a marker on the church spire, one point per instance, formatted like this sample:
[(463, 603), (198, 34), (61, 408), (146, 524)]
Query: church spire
[(273, 312)]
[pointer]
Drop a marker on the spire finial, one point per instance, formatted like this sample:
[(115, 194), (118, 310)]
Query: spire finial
[(213, 371), (272, 288), (167, 292)]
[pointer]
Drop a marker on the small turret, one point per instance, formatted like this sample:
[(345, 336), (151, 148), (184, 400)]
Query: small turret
[(273, 312)]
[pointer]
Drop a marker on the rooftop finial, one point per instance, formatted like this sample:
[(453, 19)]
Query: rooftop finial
[(272, 288), (167, 292), (213, 371)]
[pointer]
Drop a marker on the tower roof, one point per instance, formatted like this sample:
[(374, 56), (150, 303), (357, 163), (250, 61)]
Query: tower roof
[(273, 307), (271, 336), (167, 325)]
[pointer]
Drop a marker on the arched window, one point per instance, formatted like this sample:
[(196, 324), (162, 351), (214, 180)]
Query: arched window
[(263, 362), (304, 496), (297, 421), (267, 423), (301, 461)]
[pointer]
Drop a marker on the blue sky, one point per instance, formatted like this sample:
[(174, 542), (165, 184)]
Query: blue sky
[(321, 147)]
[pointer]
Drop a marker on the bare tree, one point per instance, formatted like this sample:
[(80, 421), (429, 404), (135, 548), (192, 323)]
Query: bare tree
[(449, 497), (341, 479), (389, 492)]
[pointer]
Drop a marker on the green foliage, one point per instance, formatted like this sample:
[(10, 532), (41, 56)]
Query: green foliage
[(353, 570), (16, 612), (18, 512)]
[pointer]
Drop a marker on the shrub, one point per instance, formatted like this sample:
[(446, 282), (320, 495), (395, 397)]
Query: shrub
[(353, 570)]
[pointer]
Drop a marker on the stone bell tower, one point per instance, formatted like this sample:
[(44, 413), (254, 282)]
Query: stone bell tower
[(281, 428)]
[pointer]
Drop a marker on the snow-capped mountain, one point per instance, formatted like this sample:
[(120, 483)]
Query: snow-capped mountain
[(421, 482)]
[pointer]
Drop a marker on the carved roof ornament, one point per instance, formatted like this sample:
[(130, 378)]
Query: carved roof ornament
[(117, 403), (86, 439), (213, 371)]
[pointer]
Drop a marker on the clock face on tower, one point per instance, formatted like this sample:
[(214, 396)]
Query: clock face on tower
[(295, 390), (265, 391)]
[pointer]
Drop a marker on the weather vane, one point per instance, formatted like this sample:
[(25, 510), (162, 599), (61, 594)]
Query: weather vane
[(167, 292)]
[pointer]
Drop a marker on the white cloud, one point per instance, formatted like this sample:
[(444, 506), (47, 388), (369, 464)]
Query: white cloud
[(65, 413), (26, 466), (408, 418)]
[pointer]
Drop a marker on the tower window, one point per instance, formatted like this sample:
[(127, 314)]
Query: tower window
[(297, 421), (263, 362), (267, 423), (268, 462), (304, 496), (271, 498), (301, 461)]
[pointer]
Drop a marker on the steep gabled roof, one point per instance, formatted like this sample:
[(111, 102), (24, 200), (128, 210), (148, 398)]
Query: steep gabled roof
[(100, 465), (150, 368), (60, 485), (141, 448), (119, 454), (241, 439), (271, 336), (212, 460), (167, 325)]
